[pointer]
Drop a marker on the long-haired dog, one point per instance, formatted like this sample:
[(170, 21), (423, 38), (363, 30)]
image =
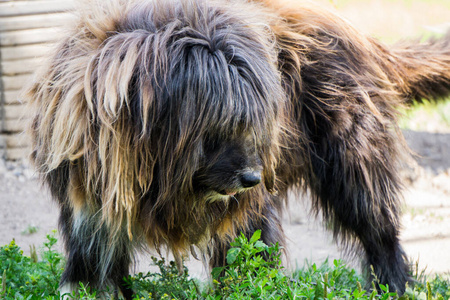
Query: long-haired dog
[(155, 121)]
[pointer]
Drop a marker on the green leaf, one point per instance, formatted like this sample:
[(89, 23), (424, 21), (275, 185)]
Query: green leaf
[(232, 255), (215, 273), (260, 245), (256, 236)]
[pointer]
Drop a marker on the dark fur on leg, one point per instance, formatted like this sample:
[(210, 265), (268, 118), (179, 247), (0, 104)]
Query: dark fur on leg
[(91, 255), (365, 210)]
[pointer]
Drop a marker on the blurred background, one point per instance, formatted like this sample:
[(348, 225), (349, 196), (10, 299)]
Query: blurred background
[(27, 213)]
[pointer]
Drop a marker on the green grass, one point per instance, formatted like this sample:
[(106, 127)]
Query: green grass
[(427, 116), (246, 276), (31, 229)]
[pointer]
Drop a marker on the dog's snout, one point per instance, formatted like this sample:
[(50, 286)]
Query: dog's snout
[(250, 179)]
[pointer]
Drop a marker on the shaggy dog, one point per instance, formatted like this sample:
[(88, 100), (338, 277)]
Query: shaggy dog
[(155, 121)]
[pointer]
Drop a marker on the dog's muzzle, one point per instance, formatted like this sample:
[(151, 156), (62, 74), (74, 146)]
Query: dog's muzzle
[(247, 180), (250, 179)]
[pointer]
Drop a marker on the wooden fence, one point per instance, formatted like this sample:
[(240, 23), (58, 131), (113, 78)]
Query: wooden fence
[(27, 29)]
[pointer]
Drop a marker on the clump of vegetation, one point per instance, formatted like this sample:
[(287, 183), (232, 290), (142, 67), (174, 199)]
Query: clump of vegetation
[(168, 283), (26, 277), (31, 229), (253, 271)]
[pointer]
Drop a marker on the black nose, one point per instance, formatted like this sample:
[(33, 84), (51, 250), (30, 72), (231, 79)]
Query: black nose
[(250, 179)]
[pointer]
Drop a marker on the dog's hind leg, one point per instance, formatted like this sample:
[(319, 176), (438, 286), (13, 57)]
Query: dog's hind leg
[(352, 173)]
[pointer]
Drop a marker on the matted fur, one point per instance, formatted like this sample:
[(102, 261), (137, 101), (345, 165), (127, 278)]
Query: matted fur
[(154, 120)]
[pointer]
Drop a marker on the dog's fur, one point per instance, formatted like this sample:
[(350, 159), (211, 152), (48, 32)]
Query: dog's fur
[(154, 121)]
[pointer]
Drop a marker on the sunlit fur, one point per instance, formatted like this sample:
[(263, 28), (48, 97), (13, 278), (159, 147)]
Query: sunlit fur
[(147, 114)]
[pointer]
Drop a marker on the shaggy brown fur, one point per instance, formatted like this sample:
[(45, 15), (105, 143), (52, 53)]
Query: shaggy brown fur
[(154, 122)]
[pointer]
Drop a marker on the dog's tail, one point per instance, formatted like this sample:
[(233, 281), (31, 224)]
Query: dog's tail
[(421, 70)]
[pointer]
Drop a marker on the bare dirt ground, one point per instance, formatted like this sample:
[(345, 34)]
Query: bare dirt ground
[(425, 235)]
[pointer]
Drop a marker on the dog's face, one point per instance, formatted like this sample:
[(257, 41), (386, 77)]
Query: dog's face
[(209, 99), (228, 167)]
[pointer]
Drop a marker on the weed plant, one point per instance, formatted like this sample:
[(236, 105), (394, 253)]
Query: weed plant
[(26, 277), (253, 271)]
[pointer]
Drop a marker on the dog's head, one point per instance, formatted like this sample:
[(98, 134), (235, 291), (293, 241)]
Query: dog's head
[(210, 97), (166, 104)]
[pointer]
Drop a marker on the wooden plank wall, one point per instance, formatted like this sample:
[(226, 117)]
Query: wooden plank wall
[(27, 30)]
